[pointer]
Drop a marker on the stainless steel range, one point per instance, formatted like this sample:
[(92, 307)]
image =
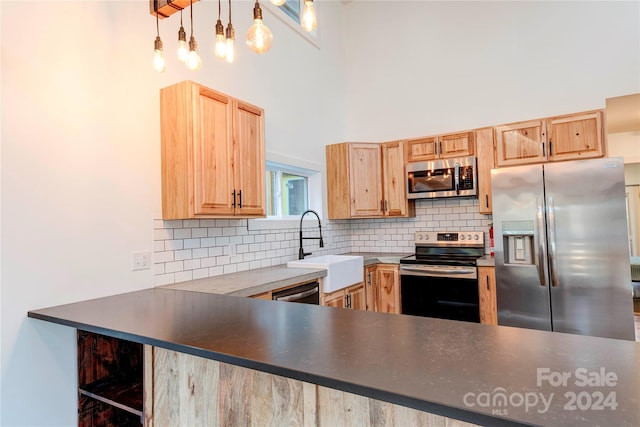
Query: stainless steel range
[(441, 278)]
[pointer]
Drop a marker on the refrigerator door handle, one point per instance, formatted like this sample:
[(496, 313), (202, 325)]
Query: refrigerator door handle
[(553, 259), (541, 248)]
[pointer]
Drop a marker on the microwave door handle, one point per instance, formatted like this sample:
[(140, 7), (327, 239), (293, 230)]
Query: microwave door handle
[(457, 178)]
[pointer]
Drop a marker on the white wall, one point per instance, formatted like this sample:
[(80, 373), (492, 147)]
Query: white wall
[(81, 159), (423, 67)]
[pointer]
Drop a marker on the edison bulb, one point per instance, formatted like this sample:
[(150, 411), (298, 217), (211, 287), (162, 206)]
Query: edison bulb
[(221, 43), (193, 59), (159, 63), (259, 37), (229, 50), (278, 2), (309, 16), (183, 47)]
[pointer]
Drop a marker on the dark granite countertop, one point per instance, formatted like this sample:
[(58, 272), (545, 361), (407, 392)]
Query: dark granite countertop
[(441, 366)]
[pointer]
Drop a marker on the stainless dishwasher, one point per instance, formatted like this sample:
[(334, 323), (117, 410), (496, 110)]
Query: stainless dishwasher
[(306, 293)]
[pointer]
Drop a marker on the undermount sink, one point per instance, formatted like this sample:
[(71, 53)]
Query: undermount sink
[(342, 270)]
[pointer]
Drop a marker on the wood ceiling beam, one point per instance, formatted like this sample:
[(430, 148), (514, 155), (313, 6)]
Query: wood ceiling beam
[(166, 8)]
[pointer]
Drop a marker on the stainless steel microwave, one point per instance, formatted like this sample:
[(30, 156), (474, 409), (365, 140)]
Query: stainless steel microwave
[(442, 178)]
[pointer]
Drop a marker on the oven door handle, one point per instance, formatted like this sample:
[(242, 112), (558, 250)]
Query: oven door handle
[(439, 271)]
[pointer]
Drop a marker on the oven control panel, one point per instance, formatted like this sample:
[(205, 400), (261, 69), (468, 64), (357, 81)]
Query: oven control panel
[(449, 238)]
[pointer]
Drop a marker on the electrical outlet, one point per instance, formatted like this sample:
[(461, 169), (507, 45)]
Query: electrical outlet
[(141, 260)]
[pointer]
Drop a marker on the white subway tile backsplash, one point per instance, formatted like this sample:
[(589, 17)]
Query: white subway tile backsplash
[(183, 254), (191, 243), (183, 276), (193, 249), (172, 267), (182, 233)]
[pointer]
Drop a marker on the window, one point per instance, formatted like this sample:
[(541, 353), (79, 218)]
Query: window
[(292, 9), (290, 13), (288, 189)]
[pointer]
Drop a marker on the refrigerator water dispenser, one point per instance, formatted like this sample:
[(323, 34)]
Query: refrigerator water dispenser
[(518, 242)]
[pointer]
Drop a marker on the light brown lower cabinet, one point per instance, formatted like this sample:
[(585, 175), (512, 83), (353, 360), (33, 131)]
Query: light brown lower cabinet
[(387, 288), (190, 390), (353, 297), (487, 294)]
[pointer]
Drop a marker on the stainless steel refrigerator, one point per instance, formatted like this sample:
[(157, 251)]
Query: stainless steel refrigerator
[(561, 248)]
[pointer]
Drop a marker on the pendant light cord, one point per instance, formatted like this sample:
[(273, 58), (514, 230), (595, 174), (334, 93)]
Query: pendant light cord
[(229, 11), (219, 10), (191, 11)]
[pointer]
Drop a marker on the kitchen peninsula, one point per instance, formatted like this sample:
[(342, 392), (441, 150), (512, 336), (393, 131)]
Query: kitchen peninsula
[(221, 360)]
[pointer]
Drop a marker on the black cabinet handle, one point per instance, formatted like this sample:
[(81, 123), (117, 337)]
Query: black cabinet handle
[(488, 288), (486, 197), (240, 197), (234, 198)]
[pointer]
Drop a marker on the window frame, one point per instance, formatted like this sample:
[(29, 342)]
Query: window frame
[(278, 12)]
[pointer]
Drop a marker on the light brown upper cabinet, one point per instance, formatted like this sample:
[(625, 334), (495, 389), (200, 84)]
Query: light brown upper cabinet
[(569, 137), (439, 147), (577, 136), (366, 180), (485, 155), (212, 154)]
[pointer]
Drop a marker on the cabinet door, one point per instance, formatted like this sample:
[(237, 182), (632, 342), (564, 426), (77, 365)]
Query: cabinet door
[(521, 143), (575, 137), (365, 180), (486, 161), (422, 149), (212, 171), (388, 288), (335, 299), (487, 294), (356, 298), (370, 286), (395, 189), (456, 145), (249, 163)]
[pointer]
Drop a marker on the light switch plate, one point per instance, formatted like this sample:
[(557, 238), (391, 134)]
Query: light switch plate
[(141, 260)]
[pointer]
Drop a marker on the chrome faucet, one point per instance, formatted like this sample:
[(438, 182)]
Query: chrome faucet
[(301, 252)]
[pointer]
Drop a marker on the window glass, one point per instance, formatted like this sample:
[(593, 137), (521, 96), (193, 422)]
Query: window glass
[(292, 9), (287, 190)]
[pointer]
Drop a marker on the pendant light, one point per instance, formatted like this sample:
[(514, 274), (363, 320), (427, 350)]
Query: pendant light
[(221, 44), (259, 37), (183, 50), (278, 2), (159, 63), (193, 59), (308, 16), (231, 35)]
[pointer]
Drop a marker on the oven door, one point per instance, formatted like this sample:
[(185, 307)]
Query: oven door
[(445, 292)]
